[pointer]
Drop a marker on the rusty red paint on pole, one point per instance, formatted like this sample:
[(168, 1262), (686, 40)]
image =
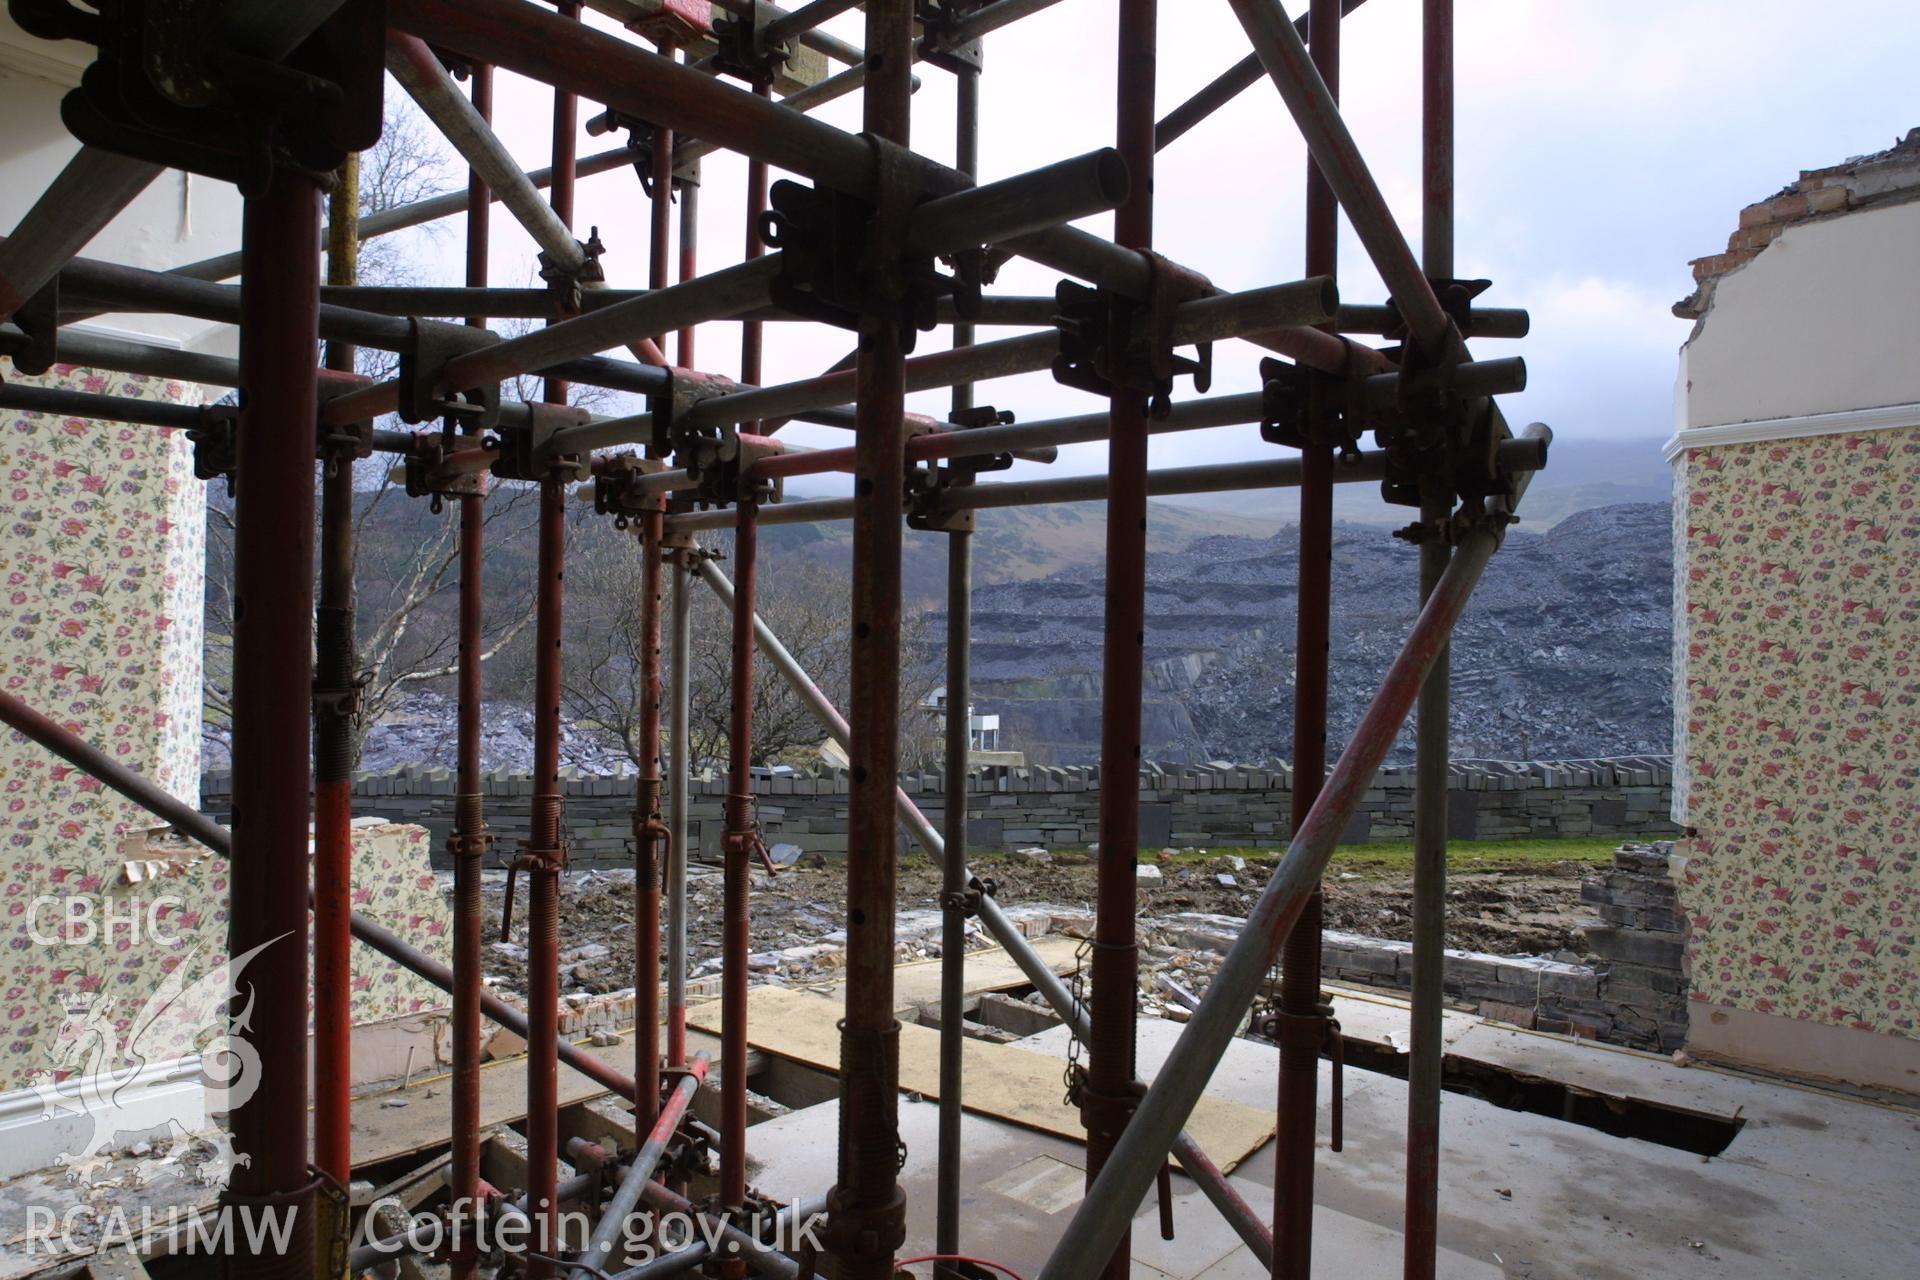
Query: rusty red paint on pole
[(544, 857), (1107, 1092), (866, 1216), (546, 853), (740, 845), (334, 711), (649, 829), (272, 692)]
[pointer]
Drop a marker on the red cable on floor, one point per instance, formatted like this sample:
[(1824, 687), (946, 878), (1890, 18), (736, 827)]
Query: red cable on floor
[(960, 1257)]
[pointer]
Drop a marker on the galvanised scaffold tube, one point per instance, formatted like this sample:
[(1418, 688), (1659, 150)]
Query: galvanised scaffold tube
[(1300, 1021), (1103, 1216), (1279, 473), (1432, 744), (958, 747), (469, 841), (599, 1253), (1205, 320), (1058, 192), (1245, 1222)]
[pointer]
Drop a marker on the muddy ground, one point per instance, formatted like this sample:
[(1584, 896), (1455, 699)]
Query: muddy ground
[(1525, 910)]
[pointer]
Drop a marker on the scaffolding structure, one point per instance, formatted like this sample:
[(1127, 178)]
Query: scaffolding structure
[(878, 240)]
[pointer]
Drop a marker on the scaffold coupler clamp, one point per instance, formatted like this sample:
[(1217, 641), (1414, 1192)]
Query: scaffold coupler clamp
[(967, 902), (671, 409), (1317, 1033), (724, 466), (1109, 342), (216, 444), (743, 49), (567, 281), (620, 488), (938, 18), (845, 261), (175, 88), (531, 859), (423, 393), (530, 452), (929, 486), (641, 136), (1304, 407)]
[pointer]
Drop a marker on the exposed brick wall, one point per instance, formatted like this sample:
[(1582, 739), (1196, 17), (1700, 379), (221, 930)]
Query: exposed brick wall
[(1818, 193), (1181, 805)]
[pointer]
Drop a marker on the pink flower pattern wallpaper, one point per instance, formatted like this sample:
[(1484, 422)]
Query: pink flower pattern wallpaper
[(1799, 725), (103, 551)]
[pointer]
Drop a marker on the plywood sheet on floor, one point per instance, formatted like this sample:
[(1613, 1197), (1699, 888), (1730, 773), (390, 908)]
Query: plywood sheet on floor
[(918, 983), (1027, 1088), (383, 1130)]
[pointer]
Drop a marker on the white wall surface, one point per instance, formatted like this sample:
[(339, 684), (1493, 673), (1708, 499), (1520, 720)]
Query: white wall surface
[(179, 219), (1823, 321)]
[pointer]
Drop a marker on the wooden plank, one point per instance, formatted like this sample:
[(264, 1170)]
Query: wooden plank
[(918, 982), (382, 1131), (1027, 1089)]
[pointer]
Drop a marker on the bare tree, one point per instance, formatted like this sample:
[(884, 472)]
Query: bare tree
[(804, 603), (406, 576)]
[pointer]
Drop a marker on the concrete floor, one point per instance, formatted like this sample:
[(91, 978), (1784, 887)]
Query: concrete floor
[(1814, 1185)]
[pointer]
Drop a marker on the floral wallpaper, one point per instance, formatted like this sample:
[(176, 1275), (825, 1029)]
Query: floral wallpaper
[(1799, 725), (101, 545), (111, 948)]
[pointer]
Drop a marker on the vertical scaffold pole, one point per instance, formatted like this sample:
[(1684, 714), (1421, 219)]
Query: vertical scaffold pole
[(1107, 1091), (272, 700), (1302, 1024), (866, 1221), (1431, 745), (959, 741), (333, 726), (470, 838)]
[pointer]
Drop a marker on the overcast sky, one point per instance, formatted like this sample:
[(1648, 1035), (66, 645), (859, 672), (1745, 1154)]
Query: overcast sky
[(1601, 146)]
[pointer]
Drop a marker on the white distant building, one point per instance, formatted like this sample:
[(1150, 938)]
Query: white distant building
[(983, 731)]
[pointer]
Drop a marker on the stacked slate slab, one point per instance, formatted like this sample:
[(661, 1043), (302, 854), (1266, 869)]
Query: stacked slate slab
[(1215, 805)]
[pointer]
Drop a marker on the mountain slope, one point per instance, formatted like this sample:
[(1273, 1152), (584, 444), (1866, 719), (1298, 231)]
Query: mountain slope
[(1565, 650)]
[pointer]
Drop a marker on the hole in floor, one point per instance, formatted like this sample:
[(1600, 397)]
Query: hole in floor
[(1699, 1132)]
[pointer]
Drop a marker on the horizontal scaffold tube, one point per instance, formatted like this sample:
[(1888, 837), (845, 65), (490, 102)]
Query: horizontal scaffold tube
[(1059, 192), (1516, 456), (1301, 303)]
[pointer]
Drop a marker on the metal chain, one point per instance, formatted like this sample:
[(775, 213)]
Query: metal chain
[(1076, 1075)]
